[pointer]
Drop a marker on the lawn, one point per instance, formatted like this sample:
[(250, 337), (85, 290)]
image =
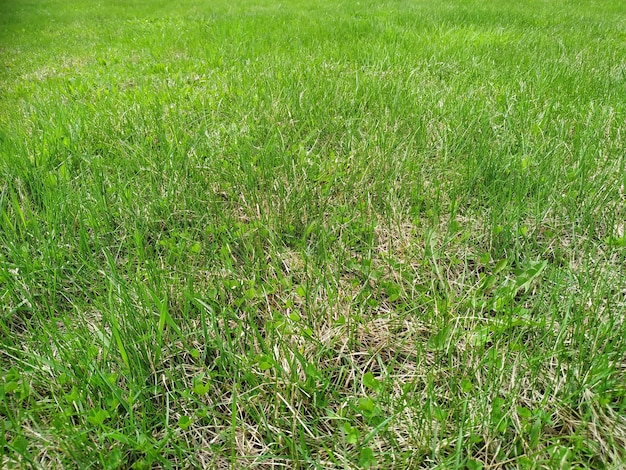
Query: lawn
[(313, 234)]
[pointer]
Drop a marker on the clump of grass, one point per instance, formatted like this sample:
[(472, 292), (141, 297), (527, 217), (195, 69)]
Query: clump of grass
[(312, 235)]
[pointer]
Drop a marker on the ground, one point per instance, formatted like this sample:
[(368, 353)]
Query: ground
[(322, 234)]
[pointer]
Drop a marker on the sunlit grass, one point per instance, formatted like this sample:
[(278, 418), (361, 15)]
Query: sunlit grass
[(312, 234)]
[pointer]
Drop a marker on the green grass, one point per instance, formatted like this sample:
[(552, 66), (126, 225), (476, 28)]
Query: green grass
[(318, 234)]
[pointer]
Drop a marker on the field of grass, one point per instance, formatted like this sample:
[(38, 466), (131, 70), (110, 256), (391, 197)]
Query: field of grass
[(312, 234)]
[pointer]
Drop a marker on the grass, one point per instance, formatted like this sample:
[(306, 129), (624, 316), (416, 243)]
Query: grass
[(312, 234)]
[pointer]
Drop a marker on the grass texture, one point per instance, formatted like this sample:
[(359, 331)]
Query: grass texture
[(312, 234)]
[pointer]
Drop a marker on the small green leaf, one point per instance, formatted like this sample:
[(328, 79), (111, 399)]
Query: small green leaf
[(619, 242), (439, 414), (141, 464), (200, 388), (50, 181), (543, 417), (488, 282), (472, 464), (113, 459), (526, 277), (73, 396), (20, 444), (366, 404), (466, 385), (438, 340), (352, 433), (500, 265), (265, 362), (311, 371), (98, 416), (13, 375), (393, 291), (524, 412), (184, 422), (503, 425), (59, 422), (119, 437), (454, 227), (366, 458), (480, 337), (371, 382), (368, 408), (112, 403)]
